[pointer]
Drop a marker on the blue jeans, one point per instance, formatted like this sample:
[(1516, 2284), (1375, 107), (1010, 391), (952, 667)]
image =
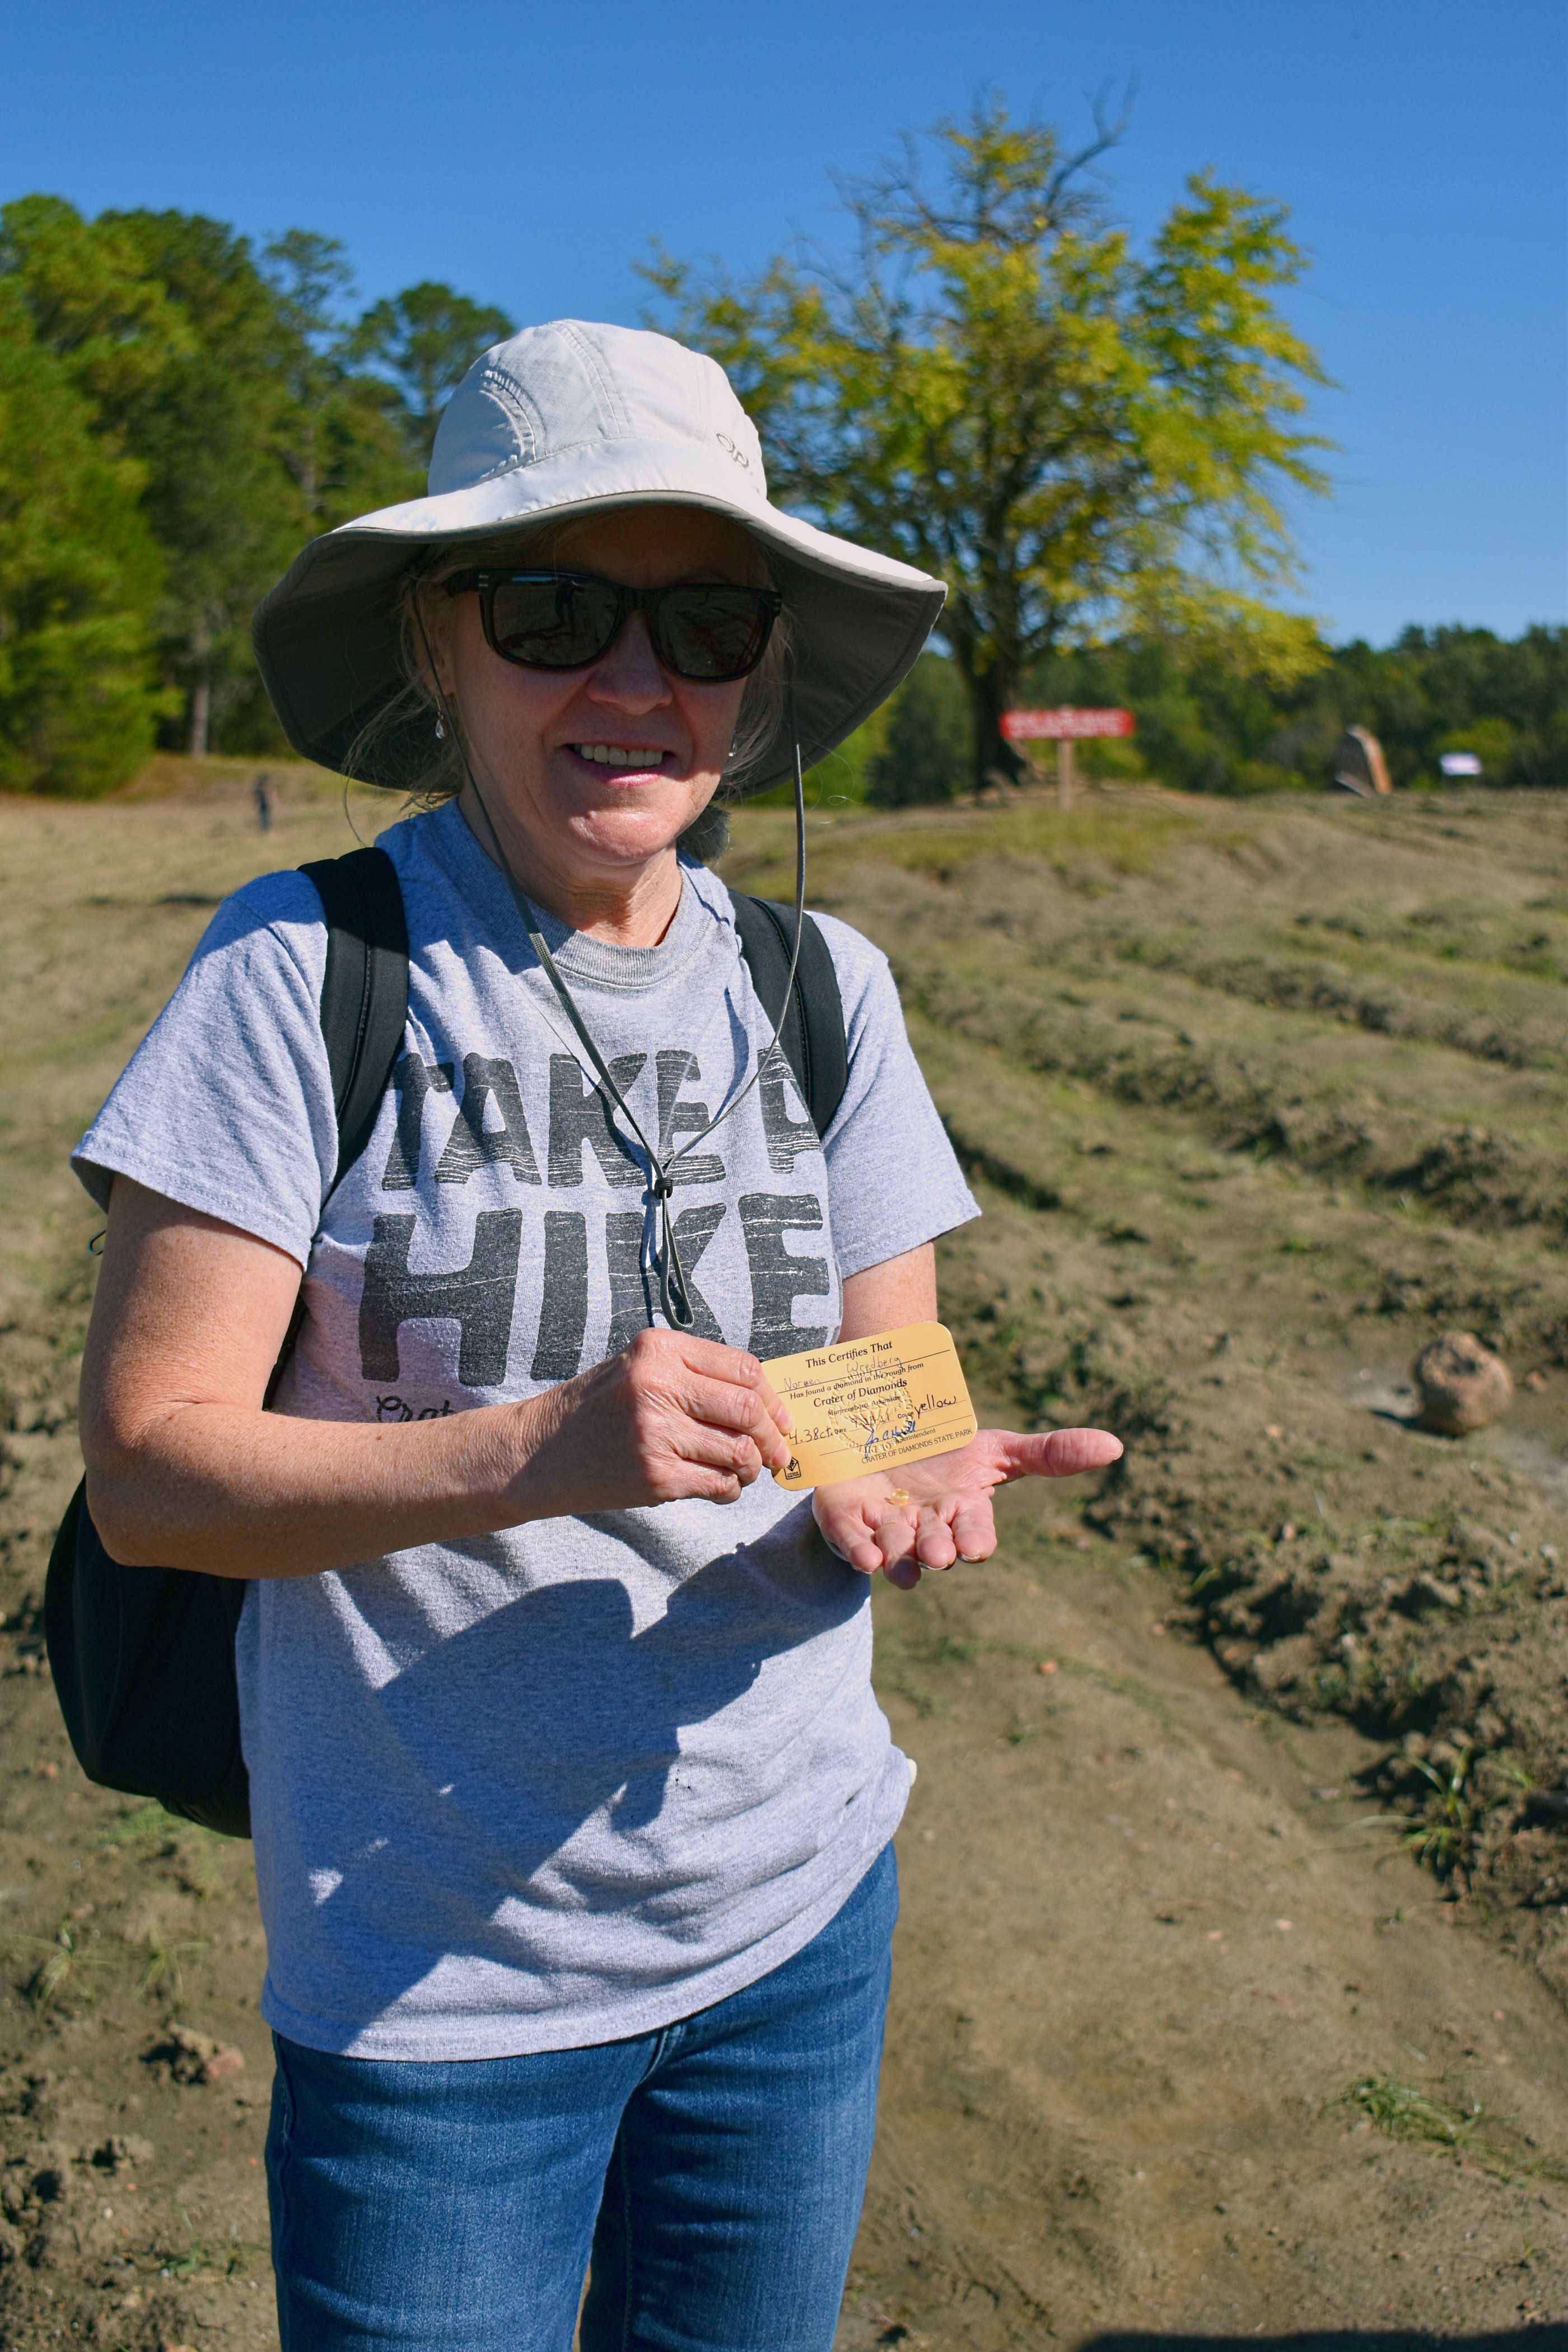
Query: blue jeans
[(714, 2170)]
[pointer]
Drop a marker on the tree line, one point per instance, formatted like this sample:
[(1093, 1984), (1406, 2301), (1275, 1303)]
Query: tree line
[(179, 411), (1092, 442), (1211, 725)]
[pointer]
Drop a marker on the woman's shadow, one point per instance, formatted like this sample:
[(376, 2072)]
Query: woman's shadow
[(570, 1712)]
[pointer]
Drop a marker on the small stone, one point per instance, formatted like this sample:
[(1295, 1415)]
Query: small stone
[(191, 2057), (1462, 1385)]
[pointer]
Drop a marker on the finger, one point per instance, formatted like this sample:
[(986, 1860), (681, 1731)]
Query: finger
[(847, 1533), (721, 1449), (975, 1528), (778, 1411), (895, 1531), (859, 1551), (904, 1573), (711, 1361), (714, 1486), (722, 1405), (934, 1545), (1055, 1453)]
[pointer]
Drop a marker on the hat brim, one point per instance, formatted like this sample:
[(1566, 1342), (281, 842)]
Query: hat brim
[(326, 636)]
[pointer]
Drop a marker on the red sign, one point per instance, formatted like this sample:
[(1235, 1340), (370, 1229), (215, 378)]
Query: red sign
[(1034, 726)]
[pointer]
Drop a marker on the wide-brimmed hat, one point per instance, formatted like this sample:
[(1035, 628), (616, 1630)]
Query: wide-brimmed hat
[(564, 420)]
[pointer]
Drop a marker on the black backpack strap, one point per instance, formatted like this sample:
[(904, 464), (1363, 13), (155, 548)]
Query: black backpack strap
[(142, 1658), (364, 996), (813, 1037)]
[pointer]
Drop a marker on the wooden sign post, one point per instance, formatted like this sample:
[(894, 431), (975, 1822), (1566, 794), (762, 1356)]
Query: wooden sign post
[(1064, 728)]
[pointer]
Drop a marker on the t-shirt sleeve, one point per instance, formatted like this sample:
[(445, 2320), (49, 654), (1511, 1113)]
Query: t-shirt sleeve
[(227, 1105), (894, 1180)]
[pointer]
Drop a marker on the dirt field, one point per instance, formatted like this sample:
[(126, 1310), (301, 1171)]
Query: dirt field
[(1231, 1981)]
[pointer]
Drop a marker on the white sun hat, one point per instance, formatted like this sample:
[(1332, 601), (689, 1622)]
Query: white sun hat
[(563, 420)]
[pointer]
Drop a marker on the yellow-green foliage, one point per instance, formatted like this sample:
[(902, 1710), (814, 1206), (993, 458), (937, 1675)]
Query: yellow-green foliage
[(1075, 436)]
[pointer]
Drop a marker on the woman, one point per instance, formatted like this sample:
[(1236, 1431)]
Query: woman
[(571, 1803)]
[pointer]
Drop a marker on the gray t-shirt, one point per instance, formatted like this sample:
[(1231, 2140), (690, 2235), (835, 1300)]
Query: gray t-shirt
[(573, 1781)]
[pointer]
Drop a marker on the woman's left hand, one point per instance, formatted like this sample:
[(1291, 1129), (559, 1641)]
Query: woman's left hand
[(928, 1514)]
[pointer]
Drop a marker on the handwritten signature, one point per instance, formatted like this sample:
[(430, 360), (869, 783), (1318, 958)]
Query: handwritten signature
[(894, 1435)]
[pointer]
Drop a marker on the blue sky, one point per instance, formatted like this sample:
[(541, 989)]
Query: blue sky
[(529, 154)]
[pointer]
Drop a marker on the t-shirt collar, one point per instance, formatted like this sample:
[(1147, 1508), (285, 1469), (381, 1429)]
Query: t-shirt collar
[(594, 963)]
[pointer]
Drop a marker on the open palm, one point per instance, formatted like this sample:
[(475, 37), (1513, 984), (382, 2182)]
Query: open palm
[(928, 1514)]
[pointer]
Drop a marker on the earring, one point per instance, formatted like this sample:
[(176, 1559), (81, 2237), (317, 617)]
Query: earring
[(441, 730)]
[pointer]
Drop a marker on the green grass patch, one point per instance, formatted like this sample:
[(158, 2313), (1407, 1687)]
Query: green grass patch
[(1468, 2134), (1400, 2113), (147, 1826)]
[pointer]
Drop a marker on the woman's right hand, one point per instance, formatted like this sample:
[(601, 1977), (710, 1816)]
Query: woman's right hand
[(186, 1469), (670, 1418)]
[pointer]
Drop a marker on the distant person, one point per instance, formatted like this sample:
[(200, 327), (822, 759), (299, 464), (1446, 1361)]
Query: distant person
[(261, 793), (572, 1805)]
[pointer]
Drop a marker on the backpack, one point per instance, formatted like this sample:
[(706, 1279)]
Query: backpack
[(142, 1658)]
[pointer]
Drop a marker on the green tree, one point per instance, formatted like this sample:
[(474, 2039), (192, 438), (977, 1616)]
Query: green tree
[(928, 751), (213, 432), (80, 577), (425, 340), (90, 302), (310, 277), (165, 324), (219, 400), (343, 445), (1078, 438)]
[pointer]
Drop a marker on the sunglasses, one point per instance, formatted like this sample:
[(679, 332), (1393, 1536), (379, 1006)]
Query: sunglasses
[(564, 620)]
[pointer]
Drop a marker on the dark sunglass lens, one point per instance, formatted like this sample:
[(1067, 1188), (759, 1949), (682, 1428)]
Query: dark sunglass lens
[(553, 624), (713, 633)]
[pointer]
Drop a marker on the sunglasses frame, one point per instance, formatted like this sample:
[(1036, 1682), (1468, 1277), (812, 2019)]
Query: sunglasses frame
[(770, 603)]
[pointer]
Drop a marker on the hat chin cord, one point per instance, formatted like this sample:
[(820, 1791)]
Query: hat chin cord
[(673, 1293)]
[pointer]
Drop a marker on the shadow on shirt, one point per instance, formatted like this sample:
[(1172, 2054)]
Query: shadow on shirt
[(542, 1772)]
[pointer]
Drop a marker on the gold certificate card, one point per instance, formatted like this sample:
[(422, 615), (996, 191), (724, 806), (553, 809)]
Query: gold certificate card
[(871, 1404)]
